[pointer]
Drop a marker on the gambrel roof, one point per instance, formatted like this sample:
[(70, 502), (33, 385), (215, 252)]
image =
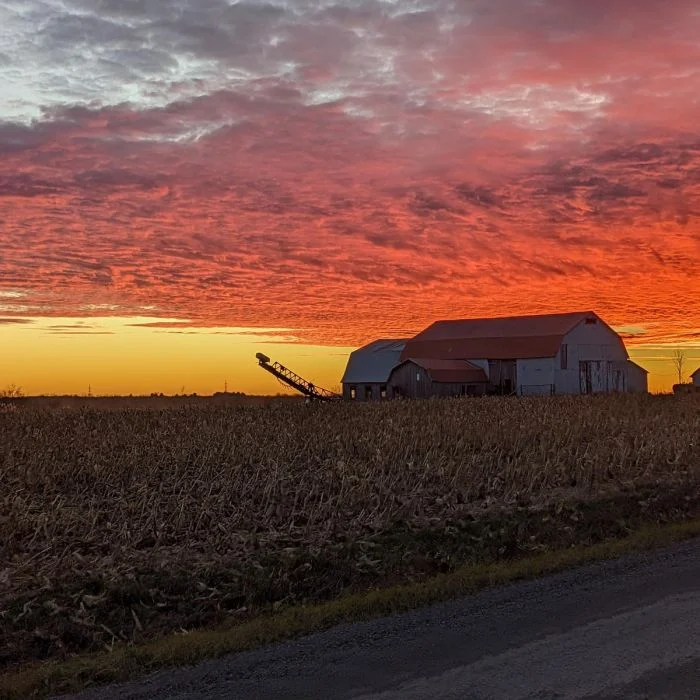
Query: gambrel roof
[(372, 364), (510, 337)]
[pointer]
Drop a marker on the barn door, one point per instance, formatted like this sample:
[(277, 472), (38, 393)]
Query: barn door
[(585, 377), (616, 378), (598, 377), (503, 376)]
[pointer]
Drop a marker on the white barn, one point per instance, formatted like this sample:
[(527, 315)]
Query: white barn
[(571, 353)]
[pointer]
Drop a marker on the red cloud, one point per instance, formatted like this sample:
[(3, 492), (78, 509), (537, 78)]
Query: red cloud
[(434, 164)]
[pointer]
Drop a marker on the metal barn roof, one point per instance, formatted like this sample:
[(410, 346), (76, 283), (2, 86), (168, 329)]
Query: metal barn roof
[(510, 337), (450, 371), (372, 364)]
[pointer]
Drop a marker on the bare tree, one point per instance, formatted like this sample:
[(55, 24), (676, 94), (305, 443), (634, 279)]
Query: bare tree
[(11, 391), (678, 359)]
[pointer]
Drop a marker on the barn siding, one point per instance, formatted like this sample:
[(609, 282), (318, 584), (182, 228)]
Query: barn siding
[(696, 378), (637, 379), (410, 380), (361, 391), (603, 349), (536, 376)]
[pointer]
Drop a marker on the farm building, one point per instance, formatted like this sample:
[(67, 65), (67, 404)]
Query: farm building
[(423, 378), (571, 353), (367, 373), (637, 378), (695, 376)]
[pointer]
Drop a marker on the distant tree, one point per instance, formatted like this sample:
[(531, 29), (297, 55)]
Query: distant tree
[(11, 391), (678, 359)]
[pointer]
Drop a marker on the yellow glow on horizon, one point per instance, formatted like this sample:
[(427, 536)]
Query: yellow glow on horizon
[(113, 356), (141, 355)]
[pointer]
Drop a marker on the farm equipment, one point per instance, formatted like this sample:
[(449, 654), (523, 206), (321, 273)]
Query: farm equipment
[(286, 376)]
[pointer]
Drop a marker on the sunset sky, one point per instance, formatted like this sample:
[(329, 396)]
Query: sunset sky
[(185, 183)]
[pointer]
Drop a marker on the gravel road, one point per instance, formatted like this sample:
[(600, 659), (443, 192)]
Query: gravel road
[(621, 629)]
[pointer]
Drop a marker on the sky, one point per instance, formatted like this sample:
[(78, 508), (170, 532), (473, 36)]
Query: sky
[(186, 183)]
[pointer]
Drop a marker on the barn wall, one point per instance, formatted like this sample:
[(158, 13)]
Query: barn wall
[(412, 381), (361, 391), (536, 376), (696, 378), (637, 379), (603, 349)]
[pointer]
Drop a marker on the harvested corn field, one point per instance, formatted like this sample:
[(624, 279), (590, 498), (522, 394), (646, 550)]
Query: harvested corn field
[(119, 526)]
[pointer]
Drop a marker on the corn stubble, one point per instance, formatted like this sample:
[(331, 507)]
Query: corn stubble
[(117, 526)]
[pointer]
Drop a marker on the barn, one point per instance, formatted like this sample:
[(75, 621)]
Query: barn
[(695, 376), (569, 353), (367, 373)]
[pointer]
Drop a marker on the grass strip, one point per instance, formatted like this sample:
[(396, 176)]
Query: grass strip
[(128, 662)]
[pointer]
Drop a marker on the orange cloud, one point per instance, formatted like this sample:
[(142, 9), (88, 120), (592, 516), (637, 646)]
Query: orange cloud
[(371, 170)]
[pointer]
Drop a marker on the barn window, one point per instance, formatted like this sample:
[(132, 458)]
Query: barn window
[(368, 392), (353, 392), (417, 376), (564, 356), (591, 321), (382, 391)]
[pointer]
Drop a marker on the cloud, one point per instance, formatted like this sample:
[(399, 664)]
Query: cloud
[(81, 332), (352, 169)]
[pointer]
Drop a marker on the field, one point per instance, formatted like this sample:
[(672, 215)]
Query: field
[(117, 526)]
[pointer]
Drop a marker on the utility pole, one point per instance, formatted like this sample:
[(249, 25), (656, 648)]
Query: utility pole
[(225, 386)]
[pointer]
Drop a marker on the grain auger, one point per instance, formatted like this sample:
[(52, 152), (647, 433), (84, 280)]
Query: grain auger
[(285, 375)]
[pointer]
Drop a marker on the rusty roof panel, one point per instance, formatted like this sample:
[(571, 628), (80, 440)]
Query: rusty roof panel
[(485, 348), (505, 338)]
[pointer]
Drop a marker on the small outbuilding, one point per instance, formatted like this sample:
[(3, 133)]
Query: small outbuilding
[(695, 376), (637, 378), (367, 373), (426, 377)]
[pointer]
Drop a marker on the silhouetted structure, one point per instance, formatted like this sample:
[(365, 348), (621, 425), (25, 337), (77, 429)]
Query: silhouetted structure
[(570, 353), (292, 379)]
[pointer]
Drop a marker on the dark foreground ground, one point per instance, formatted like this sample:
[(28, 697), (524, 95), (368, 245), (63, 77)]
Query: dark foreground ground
[(622, 629)]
